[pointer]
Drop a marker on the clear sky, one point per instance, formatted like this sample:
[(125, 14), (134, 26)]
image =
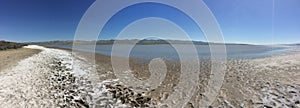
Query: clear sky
[(241, 21)]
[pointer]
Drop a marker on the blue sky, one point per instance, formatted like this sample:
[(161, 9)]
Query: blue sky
[(251, 21), (241, 21), (40, 20)]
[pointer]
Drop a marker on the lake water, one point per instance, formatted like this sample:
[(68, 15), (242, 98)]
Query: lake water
[(169, 52)]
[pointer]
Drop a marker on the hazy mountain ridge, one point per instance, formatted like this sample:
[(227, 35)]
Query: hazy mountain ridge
[(140, 42)]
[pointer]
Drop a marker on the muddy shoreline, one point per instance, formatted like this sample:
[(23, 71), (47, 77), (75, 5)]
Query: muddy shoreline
[(68, 79), (248, 82)]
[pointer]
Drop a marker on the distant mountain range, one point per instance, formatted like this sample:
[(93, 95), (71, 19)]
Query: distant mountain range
[(297, 44), (140, 42)]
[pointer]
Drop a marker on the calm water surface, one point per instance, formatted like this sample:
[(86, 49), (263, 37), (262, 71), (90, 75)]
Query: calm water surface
[(170, 53)]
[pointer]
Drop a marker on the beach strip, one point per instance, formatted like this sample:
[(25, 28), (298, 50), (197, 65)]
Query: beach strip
[(11, 57)]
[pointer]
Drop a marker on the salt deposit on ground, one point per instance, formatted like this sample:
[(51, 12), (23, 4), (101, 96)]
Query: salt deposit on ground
[(52, 78)]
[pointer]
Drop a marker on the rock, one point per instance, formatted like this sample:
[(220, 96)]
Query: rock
[(82, 103), (267, 106), (129, 96)]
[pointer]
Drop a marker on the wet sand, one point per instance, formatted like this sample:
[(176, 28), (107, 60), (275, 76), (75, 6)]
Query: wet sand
[(264, 82), (267, 82), (11, 57)]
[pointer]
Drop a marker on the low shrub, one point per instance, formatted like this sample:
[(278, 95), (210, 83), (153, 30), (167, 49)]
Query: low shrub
[(4, 45)]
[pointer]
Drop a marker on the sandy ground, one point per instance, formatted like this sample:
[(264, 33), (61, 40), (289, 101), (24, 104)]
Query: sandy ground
[(59, 78), (10, 57)]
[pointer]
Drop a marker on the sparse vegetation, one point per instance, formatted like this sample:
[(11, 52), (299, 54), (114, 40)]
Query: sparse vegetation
[(4, 45)]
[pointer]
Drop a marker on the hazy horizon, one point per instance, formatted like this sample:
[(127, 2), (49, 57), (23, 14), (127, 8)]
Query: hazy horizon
[(238, 43)]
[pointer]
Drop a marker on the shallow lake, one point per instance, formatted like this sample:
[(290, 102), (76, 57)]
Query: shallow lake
[(169, 52)]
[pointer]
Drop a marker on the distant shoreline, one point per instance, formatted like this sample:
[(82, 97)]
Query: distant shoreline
[(137, 42), (167, 51), (4, 45)]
